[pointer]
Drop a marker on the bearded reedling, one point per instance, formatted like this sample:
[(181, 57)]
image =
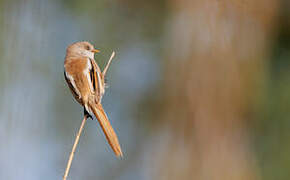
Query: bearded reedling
[(87, 84)]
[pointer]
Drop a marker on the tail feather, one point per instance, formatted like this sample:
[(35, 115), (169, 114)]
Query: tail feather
[(107, 128)]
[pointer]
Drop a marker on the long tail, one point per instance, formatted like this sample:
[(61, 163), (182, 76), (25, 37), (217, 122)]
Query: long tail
[(107, 128)]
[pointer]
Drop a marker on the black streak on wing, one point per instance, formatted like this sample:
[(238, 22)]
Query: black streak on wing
[(93, 75)]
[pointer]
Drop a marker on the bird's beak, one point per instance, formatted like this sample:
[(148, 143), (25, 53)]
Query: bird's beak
[(95, 51)]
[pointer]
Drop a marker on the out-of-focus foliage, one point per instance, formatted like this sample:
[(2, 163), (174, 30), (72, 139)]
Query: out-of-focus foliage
[(271, 128)]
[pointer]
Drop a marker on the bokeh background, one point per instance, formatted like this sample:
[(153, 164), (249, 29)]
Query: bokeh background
[(199, 89)]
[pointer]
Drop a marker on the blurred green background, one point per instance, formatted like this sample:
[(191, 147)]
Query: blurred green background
[(197, 90)]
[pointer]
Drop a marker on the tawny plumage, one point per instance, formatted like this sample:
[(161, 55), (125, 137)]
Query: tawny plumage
[(86, 82)]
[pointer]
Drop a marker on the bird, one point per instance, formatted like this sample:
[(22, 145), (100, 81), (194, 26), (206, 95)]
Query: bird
[(87, 84)]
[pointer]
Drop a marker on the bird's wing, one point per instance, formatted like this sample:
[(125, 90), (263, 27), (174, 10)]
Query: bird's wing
[(72, 86), (97, 79), (78, 76)]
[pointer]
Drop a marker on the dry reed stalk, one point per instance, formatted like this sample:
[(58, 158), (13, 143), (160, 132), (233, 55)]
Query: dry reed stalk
[(74, 148)]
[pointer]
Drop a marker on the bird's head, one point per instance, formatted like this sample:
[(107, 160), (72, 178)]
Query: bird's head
[(81, 49)]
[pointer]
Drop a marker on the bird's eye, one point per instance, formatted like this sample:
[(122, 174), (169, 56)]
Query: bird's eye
[(87, 47)]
